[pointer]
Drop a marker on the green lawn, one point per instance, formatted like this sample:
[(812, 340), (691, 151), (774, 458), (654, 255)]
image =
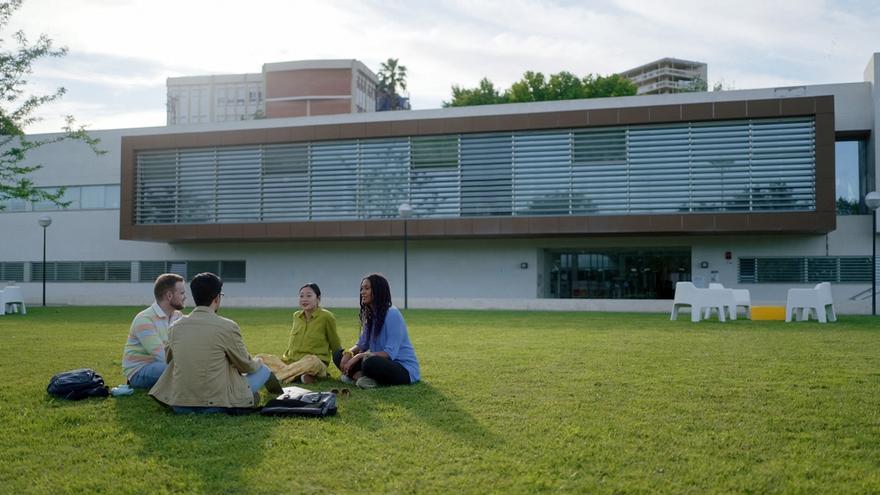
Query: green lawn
[(518, 402)]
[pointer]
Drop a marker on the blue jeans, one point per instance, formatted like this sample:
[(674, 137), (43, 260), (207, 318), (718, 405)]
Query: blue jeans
[(147, 376), (255, 380)]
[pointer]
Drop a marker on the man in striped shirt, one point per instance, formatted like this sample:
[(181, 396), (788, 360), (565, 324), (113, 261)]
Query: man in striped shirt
[(143, 359)]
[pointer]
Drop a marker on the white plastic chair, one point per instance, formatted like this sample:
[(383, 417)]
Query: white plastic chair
[(817, 301), (12, 297), (703, 300), (741, 296)]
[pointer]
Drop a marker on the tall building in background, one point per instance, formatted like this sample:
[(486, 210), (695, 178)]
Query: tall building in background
[(668, 75), (283, 89)]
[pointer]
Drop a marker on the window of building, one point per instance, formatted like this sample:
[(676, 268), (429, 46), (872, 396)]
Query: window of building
[(731, 166), (228, 270), (82, 271), (104, 196), (804, 269), (852, 176), (12, 271), (616, 273)]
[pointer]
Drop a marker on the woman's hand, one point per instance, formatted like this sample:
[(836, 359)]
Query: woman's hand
[(348, 364), (343, 363)]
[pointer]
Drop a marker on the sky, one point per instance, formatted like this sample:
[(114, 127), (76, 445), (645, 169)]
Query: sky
[(122, 51)]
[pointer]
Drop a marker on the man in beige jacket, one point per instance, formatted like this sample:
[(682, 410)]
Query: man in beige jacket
[(209, 368)]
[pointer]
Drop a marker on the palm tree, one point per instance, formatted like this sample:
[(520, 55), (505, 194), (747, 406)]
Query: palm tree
[(392, 75)]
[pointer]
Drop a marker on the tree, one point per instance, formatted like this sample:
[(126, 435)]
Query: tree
[(17, 112), (484, 94), (534, 86), (391, 76)]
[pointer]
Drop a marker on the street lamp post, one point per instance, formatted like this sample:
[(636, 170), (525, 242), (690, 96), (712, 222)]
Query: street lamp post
[(45, 221), (405, 211), (872, 200)]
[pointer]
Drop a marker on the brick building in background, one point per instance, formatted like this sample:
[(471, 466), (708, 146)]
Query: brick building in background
[(283, 89)]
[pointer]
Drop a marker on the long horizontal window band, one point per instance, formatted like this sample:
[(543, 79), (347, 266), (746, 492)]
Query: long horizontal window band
[(119, 271), (751, 165), (229, 271), (81, 271), (804, 269)]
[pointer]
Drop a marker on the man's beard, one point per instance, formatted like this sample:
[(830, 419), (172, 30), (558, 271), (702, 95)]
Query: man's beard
[(177, 306)]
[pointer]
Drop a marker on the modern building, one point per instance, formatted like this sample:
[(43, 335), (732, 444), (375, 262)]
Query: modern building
[(668, 75), (598, 204), (283, 89)]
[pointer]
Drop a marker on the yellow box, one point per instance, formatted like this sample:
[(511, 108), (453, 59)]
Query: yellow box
[(768, 313)]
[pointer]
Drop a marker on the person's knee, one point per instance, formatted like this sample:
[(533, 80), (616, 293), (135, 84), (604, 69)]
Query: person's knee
[(373, 365)]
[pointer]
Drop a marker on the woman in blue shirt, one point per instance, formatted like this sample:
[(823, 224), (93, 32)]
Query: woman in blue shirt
[(383, 354)]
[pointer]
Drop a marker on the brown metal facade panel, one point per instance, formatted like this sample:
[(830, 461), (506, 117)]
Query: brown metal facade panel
[(377, 130), (798, 106), (546, 120), (283, 231), (431, 126), (326, 132), (460, 125), (697, 111), (327, 229), (725, 110), (577, 118), (666, 113), (377, 228), (351, 131), (351, 228), (405, 128), (487, 227), (825, 104), (603, 117), (426, 228), (666, 223), (572, 225), (516, 226), (704, 222), (763, 108), (823, 220), (634, 115)]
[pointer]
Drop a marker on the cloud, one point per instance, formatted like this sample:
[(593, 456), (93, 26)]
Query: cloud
[(126, 49)]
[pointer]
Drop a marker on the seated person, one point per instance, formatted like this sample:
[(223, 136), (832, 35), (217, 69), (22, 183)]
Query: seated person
[(143, 358), (383, 354), (209, 369), (313, 340)]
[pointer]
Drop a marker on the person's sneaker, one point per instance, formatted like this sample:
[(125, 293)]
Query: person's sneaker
[(346, 379), (121, 390), (366, 382)]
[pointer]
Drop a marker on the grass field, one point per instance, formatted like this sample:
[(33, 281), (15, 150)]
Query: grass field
[(511, 402)]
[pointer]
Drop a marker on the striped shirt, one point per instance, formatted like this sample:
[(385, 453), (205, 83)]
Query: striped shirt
[(147, 339)]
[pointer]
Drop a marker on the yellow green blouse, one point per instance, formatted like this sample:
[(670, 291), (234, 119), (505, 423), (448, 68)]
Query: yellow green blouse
[(317, 336)]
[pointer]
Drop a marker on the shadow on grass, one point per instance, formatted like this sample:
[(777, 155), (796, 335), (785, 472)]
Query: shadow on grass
[(418, 405), (206, 453)]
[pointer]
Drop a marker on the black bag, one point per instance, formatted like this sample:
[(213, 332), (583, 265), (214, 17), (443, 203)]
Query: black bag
[(77, 384), (315, 404)]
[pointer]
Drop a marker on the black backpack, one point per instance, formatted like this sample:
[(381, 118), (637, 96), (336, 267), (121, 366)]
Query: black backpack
[(314, 404), (77, 384)]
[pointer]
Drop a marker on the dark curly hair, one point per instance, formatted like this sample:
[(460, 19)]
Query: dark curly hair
[(373, 316)]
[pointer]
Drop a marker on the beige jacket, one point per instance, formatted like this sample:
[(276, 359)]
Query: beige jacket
[(206, 358)]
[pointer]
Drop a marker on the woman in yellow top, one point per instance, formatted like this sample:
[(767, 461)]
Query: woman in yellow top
[(313, 340)]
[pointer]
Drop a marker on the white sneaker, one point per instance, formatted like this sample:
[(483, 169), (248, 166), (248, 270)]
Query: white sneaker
[(366, 382), (346, 379), (123, 389)]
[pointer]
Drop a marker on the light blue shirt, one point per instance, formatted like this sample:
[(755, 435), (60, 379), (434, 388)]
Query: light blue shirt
[(394, 340)]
